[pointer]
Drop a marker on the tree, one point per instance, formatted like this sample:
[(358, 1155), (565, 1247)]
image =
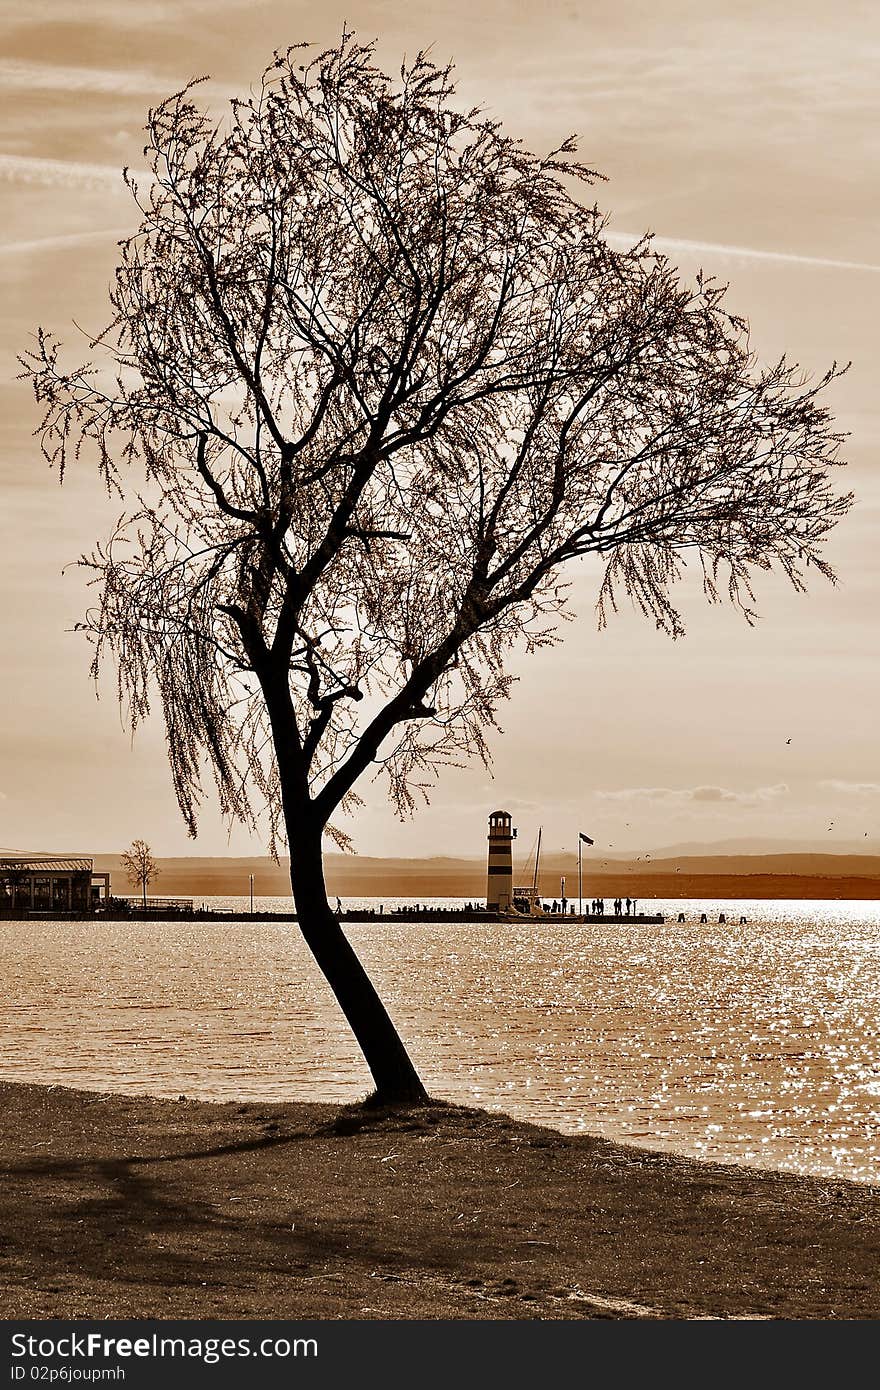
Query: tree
[(140, 866), (374, 378)]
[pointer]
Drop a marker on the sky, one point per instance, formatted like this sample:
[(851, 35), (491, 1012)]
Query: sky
[(747, 138)]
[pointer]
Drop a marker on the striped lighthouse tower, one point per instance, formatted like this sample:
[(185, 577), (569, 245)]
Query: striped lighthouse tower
[(499, 879)]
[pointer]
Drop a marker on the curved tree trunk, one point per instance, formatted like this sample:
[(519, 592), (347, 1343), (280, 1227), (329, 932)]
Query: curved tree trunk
[(397, 1081)]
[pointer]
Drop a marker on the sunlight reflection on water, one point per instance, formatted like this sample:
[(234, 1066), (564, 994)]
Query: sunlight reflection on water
[(753, 1043)]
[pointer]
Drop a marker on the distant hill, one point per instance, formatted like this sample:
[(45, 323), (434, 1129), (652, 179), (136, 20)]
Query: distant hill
[(753, 844), (768, 875), (779, 875)]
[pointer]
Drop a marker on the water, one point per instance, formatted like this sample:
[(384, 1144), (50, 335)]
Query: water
[(755, 1043)]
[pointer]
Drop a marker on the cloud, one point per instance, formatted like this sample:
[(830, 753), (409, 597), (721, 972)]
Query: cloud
[(724, 79), (680, 795), (111, 12), (50, 77), (718, 249), (835, 784)]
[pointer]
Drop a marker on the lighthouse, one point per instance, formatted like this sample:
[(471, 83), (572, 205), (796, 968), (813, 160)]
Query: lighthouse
[(499, 878)]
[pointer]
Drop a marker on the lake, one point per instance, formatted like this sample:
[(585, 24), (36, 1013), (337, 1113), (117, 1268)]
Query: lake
[(755, 1043)]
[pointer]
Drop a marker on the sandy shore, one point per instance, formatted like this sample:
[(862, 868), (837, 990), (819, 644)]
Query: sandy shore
[(134, 1207)]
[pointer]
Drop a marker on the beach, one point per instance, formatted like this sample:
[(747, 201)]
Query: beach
[(134, 1207)]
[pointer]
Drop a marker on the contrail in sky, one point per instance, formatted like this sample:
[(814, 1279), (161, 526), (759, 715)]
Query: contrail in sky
[(58, 172), (55, 78), (63, 241), (623, 240), (54, 173)]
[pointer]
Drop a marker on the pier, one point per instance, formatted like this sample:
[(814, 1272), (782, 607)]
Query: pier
[(416, 913), (447, 914)]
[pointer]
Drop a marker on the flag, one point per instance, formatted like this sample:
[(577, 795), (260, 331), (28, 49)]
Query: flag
[(586, 839)]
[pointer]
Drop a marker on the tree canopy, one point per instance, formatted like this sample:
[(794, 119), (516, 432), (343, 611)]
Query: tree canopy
[(385, 375), (140, 866)]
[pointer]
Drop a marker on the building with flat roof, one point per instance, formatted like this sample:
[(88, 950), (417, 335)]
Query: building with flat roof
[(50, 886)]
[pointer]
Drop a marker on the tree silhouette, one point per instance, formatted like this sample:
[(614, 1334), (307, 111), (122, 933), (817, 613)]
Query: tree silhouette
[(140, 866), (374, 377)]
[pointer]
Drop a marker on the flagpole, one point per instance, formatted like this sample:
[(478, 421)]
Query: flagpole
[(580, 884)]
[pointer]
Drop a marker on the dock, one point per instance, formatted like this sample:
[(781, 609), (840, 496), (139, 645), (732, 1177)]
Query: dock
[(406, 914), (440, 914)]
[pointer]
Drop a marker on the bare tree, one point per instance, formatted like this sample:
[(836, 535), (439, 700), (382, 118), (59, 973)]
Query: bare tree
[(140, 866), (374, 378)]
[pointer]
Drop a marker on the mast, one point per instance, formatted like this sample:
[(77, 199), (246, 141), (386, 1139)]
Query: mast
[(537, 859)]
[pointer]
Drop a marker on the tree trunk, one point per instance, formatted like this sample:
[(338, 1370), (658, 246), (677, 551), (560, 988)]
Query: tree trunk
[(397, 1081)]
